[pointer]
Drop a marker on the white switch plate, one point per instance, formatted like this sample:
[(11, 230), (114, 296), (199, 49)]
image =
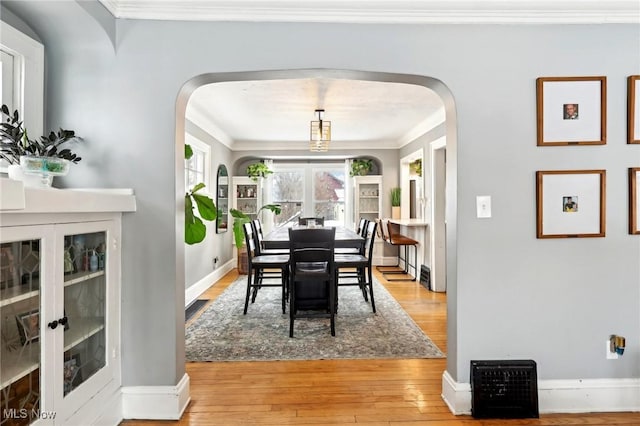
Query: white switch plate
[(483, 206), (611, 355)]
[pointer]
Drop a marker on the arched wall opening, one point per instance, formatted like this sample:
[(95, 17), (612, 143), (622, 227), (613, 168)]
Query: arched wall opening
[(451, 166)]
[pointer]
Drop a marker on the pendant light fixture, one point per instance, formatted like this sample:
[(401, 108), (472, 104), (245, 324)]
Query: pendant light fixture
[(320, 133)]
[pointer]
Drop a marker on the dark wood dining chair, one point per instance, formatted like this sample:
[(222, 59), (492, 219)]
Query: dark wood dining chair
[(259, 235), (360, 230), (312, 289), (362, 263), (262, 266)]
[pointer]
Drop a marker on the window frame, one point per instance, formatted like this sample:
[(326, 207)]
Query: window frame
[(198, 145)]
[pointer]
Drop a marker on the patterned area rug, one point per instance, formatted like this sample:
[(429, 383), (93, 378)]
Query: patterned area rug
[(223, 333)]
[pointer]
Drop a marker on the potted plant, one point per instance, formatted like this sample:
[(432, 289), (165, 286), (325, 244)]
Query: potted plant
[(43, 158), (239, 219), (415, 167), (395, 203), (194, 228), (258, 170), (360, 167)]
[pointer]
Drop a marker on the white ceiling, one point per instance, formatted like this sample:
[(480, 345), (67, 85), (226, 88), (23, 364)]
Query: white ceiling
[(364, 114)]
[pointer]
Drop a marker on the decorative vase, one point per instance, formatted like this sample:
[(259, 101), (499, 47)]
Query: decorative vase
[(395, 212)]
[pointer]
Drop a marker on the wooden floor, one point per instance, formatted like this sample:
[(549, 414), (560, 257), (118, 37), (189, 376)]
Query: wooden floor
[(343, 392)]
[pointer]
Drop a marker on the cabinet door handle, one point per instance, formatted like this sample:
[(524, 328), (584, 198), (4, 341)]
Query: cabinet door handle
[(63, 321), (53, 324)]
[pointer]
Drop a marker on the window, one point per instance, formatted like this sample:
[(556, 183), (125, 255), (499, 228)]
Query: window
[(197, 168), (23, 76), (309, 190), (288, 191)]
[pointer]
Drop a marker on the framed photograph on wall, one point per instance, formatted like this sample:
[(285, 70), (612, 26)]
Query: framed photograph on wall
[(570, 203), (634, 200), (571, 110), (28, 326), (633, 114)]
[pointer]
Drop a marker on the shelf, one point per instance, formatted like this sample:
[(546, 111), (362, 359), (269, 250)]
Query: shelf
[(372, 197), (370, 212), (21, 361), (79, 277), (77, 334), (20, 292), (18, 362)]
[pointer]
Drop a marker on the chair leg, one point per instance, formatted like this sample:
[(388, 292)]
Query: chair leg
[(405, 271), (373, 302), (246, 300), (284, 291)]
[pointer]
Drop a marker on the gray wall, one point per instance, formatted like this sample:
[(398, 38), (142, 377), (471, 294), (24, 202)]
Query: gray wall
[(513, 296), (199, 257)]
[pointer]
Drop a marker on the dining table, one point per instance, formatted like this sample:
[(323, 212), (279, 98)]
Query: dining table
[(345, 238)]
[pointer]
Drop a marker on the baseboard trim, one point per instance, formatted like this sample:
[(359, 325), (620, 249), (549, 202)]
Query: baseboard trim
[(156, 402), (194, 291), (560, 396)]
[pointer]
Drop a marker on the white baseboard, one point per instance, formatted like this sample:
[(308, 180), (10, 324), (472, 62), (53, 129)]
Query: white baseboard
[(194, 291), (560, 396), (156, 402)]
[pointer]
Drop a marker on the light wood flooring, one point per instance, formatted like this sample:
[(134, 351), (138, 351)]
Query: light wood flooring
[(344, 392)]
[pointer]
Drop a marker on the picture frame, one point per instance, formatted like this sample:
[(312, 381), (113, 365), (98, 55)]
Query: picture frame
[(72, 373), (633, 109), (28, 326), (634, 200), (571, 110), (570, 203)]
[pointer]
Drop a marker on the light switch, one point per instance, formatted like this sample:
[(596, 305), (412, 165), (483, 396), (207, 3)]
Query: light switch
[(483, 206)]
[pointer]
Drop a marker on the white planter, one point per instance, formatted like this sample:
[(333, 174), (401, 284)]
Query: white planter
[(15, 172)]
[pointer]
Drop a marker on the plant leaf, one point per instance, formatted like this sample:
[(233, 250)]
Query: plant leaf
[(206, 207), (188, 152), (198, 187), (194, 229)]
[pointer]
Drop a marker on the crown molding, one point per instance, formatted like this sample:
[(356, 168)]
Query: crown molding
[(384, 11)]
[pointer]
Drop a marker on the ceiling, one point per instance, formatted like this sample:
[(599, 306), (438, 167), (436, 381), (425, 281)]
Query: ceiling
[(276, 114), (363, 114)]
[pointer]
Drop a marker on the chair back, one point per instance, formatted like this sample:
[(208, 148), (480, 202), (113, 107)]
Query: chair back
[(258, 236), (250, 240), (362, 227), (382, 230), (303, 221), (370, 237), (312, 246)]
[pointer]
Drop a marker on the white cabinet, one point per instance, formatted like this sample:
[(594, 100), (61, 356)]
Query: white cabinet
[(247, 196), (59, 314), (367, 204)]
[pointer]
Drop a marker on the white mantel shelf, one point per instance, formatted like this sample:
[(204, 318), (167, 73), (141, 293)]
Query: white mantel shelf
[(16, 198)]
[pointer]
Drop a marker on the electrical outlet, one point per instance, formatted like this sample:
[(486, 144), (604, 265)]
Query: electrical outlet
[(610, 355)]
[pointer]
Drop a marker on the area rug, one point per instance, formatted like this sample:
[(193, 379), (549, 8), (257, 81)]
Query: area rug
[(223, 333)]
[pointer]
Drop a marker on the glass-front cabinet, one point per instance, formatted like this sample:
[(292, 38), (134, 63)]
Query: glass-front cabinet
[(247, 196), (20, 306), (367, 204), (59, 311)]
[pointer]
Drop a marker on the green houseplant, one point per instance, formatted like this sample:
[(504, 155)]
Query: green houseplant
[(395, 202), (258, 170), (194, 228), (44, 157), (360, 167)]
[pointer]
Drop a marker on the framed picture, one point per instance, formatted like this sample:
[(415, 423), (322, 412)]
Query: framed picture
[(28, 326), (633, 114), (571, 110), (72, 374), (570, 203), (634, 200)]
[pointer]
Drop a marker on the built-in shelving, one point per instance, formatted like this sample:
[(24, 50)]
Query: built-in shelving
[(18, 293)]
